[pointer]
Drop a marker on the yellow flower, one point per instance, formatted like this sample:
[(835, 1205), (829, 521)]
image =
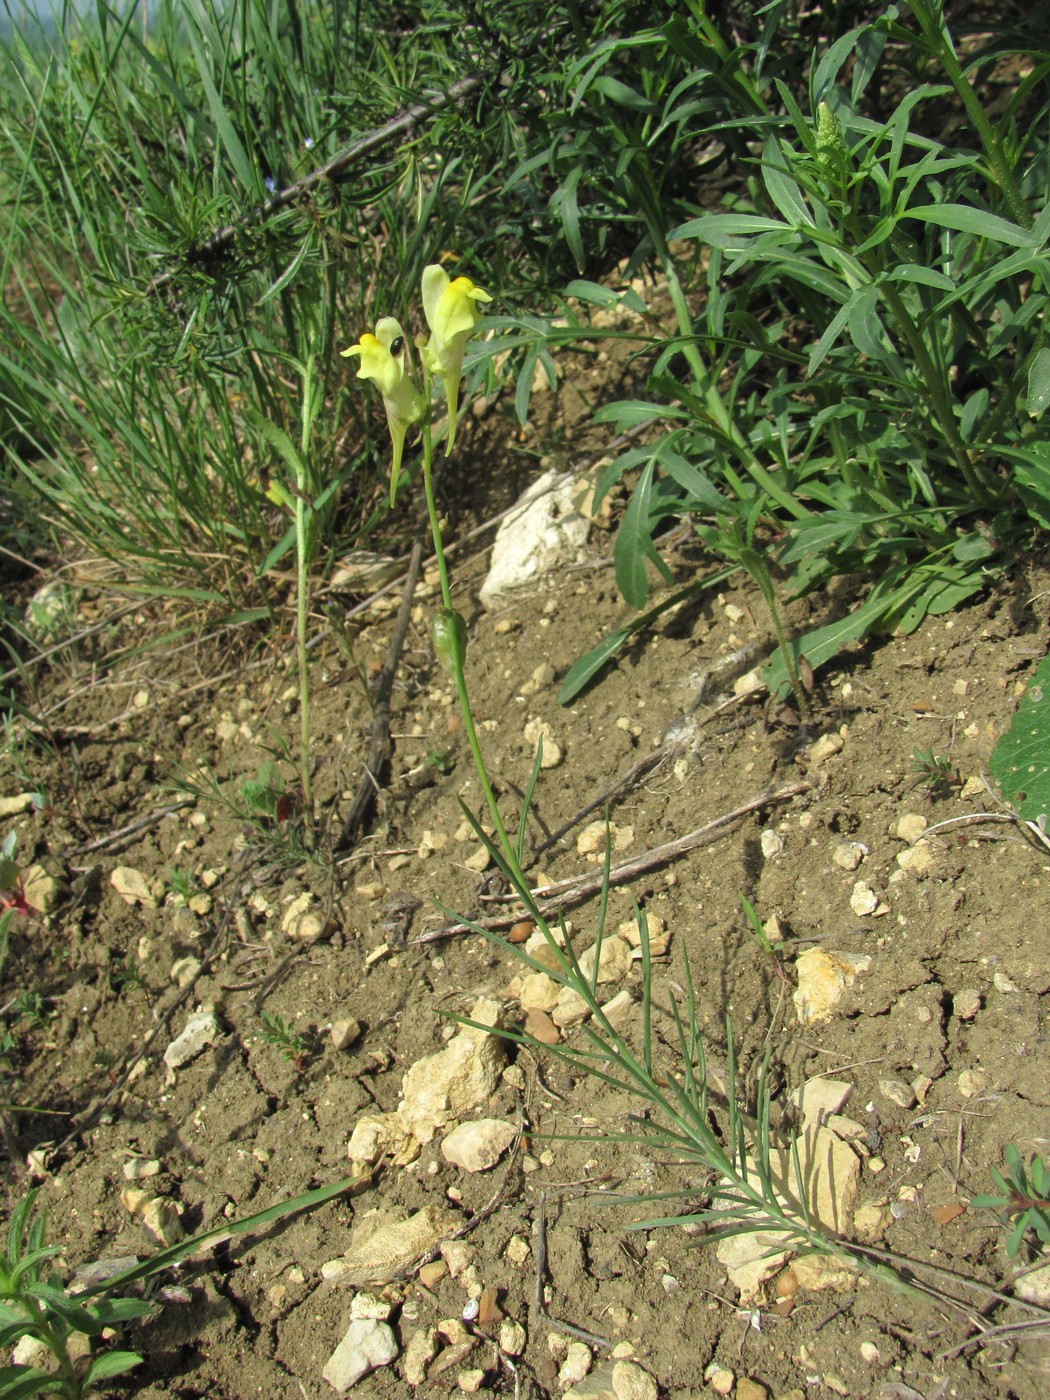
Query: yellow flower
[(451, 309), (383, 358)]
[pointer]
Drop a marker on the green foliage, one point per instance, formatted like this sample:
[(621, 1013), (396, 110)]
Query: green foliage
[(34, 1304), (1020, 761), (936, 771), (281, 1034), (1023, 1197), (859, 370), (264, 795)]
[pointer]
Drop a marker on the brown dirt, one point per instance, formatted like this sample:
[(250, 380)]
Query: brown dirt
[(242, 1126)]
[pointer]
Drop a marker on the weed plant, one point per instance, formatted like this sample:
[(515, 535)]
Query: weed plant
[(858, 375), (757, 1180), (68, 1325)]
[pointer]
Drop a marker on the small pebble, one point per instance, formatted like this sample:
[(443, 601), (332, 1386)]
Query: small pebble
[(910, 826), (967, 1003), (903, 1095)]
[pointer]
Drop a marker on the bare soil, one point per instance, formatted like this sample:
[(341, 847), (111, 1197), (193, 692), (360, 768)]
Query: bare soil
[(244, 1125)]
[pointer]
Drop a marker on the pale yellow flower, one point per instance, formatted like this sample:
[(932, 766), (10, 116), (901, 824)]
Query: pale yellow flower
[(451, 309), (383, 359)]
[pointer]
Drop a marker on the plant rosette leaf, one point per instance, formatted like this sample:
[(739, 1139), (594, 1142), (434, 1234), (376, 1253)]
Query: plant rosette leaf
[(1020, 761)]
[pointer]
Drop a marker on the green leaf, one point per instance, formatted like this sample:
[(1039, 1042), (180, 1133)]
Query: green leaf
[(16, 1382), (111, 1363), (634, 544), (979, 222), (1039, 383), (1032, 479), (1020, 761), (826, 642), (717, 229), (586, 667), (584, 670)]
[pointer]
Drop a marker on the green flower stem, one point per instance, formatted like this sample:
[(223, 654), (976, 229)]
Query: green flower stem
[(505, 844), (303, 532)]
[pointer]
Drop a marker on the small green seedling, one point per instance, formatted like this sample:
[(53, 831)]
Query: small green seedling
[(936, 772), (1024, 1198), (771, 950), (29, 1006), (265, 797), (33, 1304), (281, 1034)]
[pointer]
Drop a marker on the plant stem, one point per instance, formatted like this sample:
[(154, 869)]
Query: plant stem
[(505, 844), (303, 532)]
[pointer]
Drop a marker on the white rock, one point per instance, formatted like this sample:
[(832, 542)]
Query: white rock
[(379, 1135), (967, 1003), (752, 1259), (863, 900), (971, 1082), (819, 1098), (367, 1305), (824, 748), (614, 962), (630, 1382), (918, 859), (366, 1345), (543, 530), (571, 1009), (772, 844), (304, 920), (824, 977), (384, 1242), (1034, 1287), (11, 806), (591, 840), (477, 1146), (160, 1216), (910, 826), (537, 730), (818, 1272), (537, 992), (849, 854), (42, 890), (448, 1084), (615, 1379), (576, 1364), (133, 887), (512, 1338), (898, 1092), (200, 1031), (345, 1032), (420, 1352)]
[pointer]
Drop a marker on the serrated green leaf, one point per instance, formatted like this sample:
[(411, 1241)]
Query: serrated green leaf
[(1020, 761)]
